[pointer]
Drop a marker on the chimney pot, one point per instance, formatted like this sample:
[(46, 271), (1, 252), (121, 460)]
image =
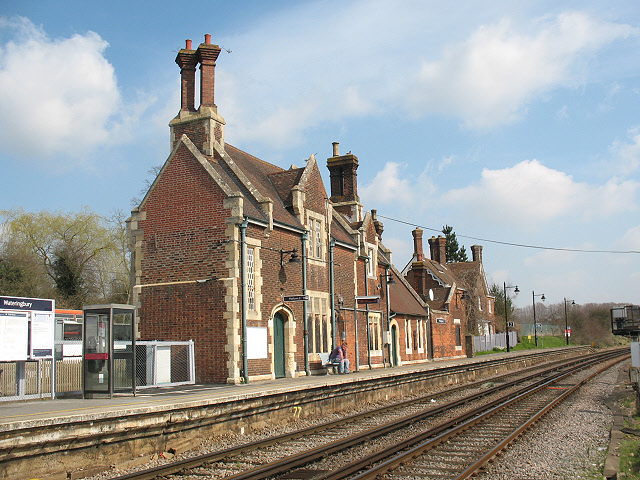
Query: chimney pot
[(438, 249), (336, 149), (476, 251), (417, 244), (207, 38), (188, 47)]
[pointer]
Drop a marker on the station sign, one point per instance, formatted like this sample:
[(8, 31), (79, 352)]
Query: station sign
[(367, 299), (27, 328), (295, 298)]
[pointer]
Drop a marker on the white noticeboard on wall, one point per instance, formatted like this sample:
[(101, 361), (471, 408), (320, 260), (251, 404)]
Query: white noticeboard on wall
[(257, 342)]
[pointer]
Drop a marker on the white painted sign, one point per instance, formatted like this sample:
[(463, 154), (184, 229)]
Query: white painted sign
[(257, 342)]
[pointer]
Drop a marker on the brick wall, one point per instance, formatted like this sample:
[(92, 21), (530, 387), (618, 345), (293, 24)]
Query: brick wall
[(183, 230)]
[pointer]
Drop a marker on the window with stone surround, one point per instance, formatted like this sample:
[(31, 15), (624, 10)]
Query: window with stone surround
[(319, 323), (251, 279)]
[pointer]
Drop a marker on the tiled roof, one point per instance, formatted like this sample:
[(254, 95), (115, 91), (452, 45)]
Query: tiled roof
[(257, 172), (340, 234), (401, 298), (284, 181)]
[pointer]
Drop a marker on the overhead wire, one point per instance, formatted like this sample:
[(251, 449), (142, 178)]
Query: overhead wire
[(512, 244)]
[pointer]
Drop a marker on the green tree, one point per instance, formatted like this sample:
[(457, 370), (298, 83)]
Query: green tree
[(455, 253), (498, 292), (74, 254)]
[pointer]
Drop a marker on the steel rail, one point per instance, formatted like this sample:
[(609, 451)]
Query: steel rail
[(296, 461), (390, 458), (504, 444), (304, 458)]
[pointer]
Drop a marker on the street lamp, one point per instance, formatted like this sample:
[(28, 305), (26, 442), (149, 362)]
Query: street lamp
[(388, 280), (566, 321), (535, 325), (506, 312)]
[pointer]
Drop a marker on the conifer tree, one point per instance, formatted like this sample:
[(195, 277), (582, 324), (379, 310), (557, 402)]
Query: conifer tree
[(455, 253)]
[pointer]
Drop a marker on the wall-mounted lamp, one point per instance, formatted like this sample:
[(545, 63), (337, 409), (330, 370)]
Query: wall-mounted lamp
[(388, 278), (294, 257), (463, 295)]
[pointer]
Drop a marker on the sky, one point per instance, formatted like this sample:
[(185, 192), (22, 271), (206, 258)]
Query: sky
[(516, 123)]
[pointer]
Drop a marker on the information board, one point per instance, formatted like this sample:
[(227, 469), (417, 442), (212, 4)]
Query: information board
[(42, 334), (14, 336), (27, 328)]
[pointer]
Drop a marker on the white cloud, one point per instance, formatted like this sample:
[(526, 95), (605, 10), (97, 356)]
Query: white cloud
[(492, 77), (57, 96), (389, 187), (530, 193), (339, 60), (630, 240), (627, 154)]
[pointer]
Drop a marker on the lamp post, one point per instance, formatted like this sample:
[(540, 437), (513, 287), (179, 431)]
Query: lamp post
[(388, 280), (566, 320), (535, 325), (506, 310)]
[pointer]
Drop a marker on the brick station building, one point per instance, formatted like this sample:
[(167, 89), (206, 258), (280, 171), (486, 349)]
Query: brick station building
[(226, 246)]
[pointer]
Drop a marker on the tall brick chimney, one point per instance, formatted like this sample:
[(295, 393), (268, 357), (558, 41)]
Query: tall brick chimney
[(203, 126), (476, 252), (207, 56), (344, 184), (187, 61), (417, 245), (438, 249)]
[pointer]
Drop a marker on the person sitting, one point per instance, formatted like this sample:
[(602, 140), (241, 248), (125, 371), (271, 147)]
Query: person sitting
[(339, 357)]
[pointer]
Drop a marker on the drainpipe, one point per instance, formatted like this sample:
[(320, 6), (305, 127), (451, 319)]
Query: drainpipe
[(332, 245), (355, 321), (366, 292), (243, 282), (386, 282), (304, 304)]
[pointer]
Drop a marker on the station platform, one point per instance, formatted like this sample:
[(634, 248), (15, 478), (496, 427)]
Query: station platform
[(54, 439), (18, 415)]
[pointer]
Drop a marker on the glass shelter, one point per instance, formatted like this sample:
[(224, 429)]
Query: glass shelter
[(108, 350)]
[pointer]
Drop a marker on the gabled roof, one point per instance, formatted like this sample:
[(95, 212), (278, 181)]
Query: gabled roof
[(284, 182), (252, 176), (468, 273), (403, 299), (340, 234)]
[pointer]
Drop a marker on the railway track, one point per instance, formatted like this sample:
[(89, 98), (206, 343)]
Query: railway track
[(379, 439)]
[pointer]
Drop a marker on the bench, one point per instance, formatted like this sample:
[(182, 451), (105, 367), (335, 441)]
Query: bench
[(326, 363)]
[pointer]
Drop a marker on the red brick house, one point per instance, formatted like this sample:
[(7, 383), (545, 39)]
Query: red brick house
[(436, 284), (456, 292), (480, 308), (226, 247)]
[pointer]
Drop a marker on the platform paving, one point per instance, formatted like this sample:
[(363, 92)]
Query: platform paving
[(14, 415)]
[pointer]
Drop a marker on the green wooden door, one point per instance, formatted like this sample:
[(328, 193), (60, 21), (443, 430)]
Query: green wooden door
[(394, 346), (278, 345)]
